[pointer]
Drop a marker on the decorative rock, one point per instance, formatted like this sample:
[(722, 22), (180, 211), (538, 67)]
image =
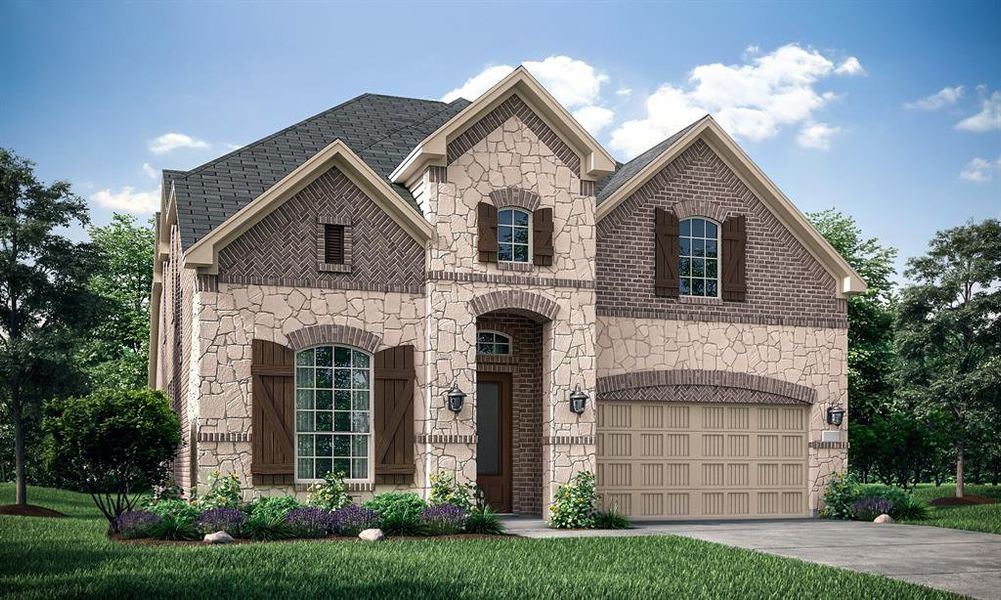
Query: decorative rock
[(371, 535), (219, 537), (883, 519)]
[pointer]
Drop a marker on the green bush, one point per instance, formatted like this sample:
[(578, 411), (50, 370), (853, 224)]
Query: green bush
[(841, 494), (575, 504), (483, 520), (399, 512), (611, 519), (445, 490), (266, 518), (905, 505), (223, 492), (114, 444), (177, 520), (330, 495)]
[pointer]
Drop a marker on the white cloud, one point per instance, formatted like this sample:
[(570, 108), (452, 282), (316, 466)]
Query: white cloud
[(594, 118), (753, 100), (946, 96), (623, 91), (172, 141), (575, 83), (129, 200), (980, 170), (817, 135), (148, 170), (989, 117), (850, 66)]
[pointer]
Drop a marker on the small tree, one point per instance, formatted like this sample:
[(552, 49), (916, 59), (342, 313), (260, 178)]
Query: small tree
[(112, 444)]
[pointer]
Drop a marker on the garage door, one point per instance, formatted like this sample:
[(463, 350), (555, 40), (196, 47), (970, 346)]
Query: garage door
[(660, 460)]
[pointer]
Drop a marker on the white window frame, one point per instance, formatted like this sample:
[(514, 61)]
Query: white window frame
[(719, 257), (528, 261), (508, 338), (369, 478)]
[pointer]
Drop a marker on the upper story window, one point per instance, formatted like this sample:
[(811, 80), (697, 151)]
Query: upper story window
[(513, 230), (493, 343), (699, 254), (333, 394)]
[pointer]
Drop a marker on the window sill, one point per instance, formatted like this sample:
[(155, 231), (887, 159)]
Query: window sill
[(514, 266), (333, 268), (700, 300)]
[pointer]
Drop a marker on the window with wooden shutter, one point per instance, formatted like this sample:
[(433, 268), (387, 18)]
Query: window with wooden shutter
[(734, 244), (333, 244), (486, 231), (666, 254), (542, 237), (393, 406), (272, 413)]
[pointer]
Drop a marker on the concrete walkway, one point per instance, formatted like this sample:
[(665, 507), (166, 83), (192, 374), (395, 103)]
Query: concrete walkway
[(963, 562)]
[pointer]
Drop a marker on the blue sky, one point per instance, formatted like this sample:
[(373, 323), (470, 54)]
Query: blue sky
[(888, 112)]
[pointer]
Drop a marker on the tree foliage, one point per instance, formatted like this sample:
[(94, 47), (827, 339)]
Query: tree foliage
[(112, 444), (44, 300)]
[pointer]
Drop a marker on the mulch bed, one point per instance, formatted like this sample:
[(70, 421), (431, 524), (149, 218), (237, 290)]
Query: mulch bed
[(395, 538), (964, 501), (29, 510)]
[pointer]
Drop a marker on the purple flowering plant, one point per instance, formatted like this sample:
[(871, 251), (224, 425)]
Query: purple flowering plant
[(229, 520), (352, 520), (308, 522), (443, 519), (870, 507), (135, 524)]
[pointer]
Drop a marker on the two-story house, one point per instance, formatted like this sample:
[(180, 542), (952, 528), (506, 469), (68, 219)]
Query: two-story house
[(396, 287)]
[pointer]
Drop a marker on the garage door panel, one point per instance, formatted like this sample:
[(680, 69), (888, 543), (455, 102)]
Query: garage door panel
[(691, 461)]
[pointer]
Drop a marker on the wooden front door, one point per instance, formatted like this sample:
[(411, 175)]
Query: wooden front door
[(493, 439)]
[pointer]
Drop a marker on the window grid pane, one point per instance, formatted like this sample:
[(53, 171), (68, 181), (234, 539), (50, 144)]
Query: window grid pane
[(699, 258), (492, 343), (512, 236), (333, 391)]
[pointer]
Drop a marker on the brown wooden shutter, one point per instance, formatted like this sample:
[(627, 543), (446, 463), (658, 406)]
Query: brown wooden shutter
[(542, 237), (393, 418), (333, 244), (486, 226), (272, 413), (734, 241), (666, 251)]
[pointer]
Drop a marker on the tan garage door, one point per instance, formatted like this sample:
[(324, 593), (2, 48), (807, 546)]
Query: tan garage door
[(702, 461)]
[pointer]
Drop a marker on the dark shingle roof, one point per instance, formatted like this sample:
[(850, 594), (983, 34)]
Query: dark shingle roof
[(382, 130), (625, 172)]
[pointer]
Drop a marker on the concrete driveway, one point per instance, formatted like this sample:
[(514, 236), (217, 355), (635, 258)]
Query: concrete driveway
[(963, 562)]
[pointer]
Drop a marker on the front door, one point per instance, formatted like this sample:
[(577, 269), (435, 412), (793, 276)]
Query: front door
[(493, 439)]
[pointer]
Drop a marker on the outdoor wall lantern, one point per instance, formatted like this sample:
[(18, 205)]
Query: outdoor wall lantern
[(455, 398), (578, 400), (835, 415)]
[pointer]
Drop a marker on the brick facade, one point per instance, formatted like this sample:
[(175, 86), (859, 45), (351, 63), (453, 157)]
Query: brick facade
[(785, 284), (281, 249)]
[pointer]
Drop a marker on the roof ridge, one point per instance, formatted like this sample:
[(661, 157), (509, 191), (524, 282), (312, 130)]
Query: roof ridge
[(409, 125)]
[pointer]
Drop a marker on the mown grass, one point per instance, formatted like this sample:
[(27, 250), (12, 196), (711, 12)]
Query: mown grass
[(984, 517), (50, 558)]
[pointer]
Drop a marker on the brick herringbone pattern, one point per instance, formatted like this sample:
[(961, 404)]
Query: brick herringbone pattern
[(696, 385)]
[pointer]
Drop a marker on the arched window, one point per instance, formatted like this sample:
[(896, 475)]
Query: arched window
[(333, 402), (699, 253), (513, 231), (493, 343)]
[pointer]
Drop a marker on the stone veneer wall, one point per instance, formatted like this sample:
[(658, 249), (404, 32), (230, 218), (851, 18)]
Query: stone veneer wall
[(282, 249), (235, 314), (814, 357), (525, 366), (785, 284)]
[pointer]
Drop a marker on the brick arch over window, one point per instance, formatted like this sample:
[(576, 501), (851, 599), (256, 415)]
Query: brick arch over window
[(515, 196), (696, 385), (535, 307), (334, 334), (700, 208)]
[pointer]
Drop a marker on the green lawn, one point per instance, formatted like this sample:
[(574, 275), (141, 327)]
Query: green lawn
[(47, 558), (985, 517)]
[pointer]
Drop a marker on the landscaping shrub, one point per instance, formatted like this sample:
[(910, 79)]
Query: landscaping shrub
[(483, 520), (330, 495), (113, 444), (869, 507), (611, 519), (223, 492), (229, 520), (266, 518), (352, 520), (842, 492), (399, 512), (445, 490), (905, 505), (575, 504), (442, 519), (177, 520), (308, 522), (135, 524)]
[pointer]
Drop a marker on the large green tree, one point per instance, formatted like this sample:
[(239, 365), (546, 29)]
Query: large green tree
[(949, 333), (116, 350), (44, 300)]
